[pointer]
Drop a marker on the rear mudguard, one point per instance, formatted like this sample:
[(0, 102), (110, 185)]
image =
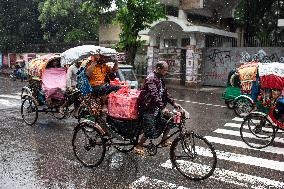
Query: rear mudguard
[(26, 89), (246, 97), (94, 124)]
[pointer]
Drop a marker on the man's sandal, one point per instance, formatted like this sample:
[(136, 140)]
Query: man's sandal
[(167, 143), (139, 152)]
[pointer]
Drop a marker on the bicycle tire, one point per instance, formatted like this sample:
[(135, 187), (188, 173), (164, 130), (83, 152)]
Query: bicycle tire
[(32, 107), (230, 104), (91, 143), (243, 107), (207, 146), (256, 138)]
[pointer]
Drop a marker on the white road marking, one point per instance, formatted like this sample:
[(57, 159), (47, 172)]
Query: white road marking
[(240, 179), (146, 182), (8, 103), (11, 97), (237, 125), (241, 144), (238, 119), (239, 158), (234, 125), (201, 103), (245, 134)]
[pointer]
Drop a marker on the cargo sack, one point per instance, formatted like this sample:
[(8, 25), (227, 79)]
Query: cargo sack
[(123, 104)]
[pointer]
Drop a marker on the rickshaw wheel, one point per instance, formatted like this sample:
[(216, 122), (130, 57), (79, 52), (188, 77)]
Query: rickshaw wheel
[(29, 109), (242, 107), (83, 113), (25, 92), (230, 104), (187, 156), (89, 146), (257, 131)]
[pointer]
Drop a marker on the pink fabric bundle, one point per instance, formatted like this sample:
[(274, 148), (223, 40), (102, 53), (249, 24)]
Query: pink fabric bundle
[(123, 103), (54, 83)]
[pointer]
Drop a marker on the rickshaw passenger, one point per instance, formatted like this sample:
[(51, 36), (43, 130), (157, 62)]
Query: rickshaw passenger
[(71, 82), (99, 74), (152, 106)]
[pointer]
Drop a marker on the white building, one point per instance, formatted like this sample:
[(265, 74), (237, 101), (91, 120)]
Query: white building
[(190, 26)]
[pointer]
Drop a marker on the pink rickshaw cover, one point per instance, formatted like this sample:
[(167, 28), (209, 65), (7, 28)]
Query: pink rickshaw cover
[(54, 82)]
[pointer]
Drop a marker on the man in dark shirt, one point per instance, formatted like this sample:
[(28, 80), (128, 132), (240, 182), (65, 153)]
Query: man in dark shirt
[(152, 105)]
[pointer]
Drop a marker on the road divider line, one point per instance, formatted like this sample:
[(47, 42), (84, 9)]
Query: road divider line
[(146, 182), (241, 144), (232, 177), (246, 135), (201, 103)]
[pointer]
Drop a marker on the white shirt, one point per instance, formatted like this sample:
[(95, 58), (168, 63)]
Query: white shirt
[(72, 76)]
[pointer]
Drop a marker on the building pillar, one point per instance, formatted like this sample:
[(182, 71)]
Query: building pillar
[(182, 14), (193, 40), (152, 40)]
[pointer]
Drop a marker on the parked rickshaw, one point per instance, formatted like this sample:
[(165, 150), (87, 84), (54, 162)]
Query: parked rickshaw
[(258, 129), (232, 90), (250, 91), (121, 126), (46, 89)]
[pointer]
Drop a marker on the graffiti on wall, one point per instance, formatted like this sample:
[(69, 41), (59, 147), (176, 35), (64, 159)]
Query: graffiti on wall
[(218, 57), (220, 61)]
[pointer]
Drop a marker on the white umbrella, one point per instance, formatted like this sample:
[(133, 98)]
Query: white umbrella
[(77, 53)]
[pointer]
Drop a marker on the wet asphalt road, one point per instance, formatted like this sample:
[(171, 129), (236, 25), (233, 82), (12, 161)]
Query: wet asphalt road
[(41, 156)]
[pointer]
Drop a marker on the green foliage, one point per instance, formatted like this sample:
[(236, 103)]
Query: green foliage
[(134, 16), (76, 35), (18, 24), (259, 17), (64, 20)]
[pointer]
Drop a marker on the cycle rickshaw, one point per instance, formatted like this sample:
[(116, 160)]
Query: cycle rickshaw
[(258, 129), (97, 131), (251, 88), (46, 89), (232, 90)]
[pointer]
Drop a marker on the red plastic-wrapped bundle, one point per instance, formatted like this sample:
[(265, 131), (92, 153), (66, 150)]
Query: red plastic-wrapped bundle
[(123, 104), (116, 81), (271, 75)]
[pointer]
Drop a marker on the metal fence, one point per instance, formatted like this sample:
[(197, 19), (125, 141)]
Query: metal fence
[(264, 42), (220, 41)]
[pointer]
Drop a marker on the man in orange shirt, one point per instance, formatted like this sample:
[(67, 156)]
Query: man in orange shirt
[(99, 74)]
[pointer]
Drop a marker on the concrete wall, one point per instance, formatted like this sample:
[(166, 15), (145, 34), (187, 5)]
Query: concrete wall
[(109, 33), (218, 62)]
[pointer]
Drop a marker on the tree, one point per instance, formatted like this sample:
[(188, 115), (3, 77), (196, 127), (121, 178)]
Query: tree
[(259, 18), (19, 26), (134, 16), (70, 20)]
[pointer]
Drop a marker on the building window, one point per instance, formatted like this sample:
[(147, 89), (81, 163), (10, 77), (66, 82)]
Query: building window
[(171, 11), (185, 42), (170, 43)]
